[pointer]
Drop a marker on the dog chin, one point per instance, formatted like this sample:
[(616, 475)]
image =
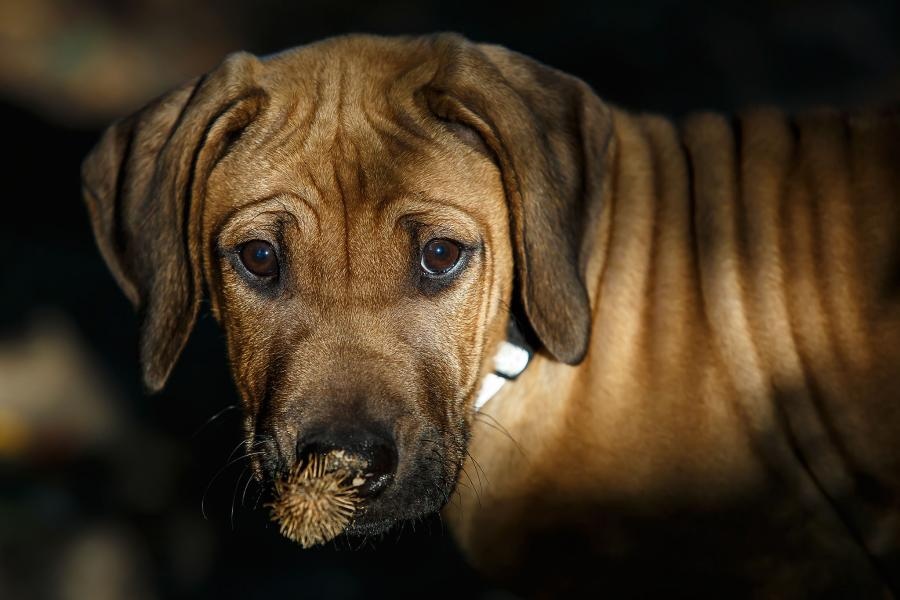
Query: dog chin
[(362, 527), (384, 514), (371, 525)]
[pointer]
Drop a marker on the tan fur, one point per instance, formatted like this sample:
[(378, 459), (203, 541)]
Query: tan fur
[(738, 358), (716, 407)]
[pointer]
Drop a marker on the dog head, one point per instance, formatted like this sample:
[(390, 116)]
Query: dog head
[(361, 213)]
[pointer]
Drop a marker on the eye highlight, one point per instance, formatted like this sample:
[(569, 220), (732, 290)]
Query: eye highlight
[(259, 258), (439, 256)]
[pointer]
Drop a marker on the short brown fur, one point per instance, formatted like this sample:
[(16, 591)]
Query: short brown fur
[(716, 405)]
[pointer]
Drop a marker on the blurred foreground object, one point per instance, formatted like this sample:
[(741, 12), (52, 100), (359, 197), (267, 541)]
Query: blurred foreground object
[(52, 396), (85, 64), (67, 447)]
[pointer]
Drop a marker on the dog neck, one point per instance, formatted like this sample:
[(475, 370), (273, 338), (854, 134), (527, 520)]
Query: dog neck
[(510, 360)]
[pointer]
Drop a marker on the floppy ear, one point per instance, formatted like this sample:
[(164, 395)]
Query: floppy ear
[(144, 184), (549, 133)]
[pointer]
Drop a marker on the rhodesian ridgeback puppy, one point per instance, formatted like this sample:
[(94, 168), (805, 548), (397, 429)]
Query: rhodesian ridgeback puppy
[(714, 399)]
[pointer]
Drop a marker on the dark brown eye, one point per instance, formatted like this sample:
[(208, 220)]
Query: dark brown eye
[(259, 258), (440, 256)]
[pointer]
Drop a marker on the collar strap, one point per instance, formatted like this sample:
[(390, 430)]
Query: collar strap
[(510, 361)]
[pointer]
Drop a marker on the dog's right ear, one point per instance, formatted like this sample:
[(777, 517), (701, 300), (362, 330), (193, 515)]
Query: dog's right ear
[(144, 184)]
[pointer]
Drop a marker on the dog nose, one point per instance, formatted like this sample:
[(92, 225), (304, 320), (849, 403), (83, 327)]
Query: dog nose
[(375, 453)]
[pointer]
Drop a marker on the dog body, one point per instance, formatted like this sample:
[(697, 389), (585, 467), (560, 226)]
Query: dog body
[(739, 401), (715, 398)]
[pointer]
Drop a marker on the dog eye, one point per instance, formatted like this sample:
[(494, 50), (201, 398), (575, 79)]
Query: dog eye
[(440, 255), (259, 258)]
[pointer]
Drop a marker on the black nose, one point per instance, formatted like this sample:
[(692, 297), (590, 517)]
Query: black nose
[(376, 452)]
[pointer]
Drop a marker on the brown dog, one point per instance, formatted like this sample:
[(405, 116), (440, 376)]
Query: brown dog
[(715, 403)]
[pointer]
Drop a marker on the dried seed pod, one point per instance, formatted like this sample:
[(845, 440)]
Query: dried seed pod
[(318, 498)]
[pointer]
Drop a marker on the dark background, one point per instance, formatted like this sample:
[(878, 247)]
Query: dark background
[(101, 485)]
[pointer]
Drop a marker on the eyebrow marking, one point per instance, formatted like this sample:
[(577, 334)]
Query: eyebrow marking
[(437, 203), (306, 203), (238, 214)]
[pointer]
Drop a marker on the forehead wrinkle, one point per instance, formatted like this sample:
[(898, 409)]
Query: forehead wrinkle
[(348, 113), (317, 84), (378, 91), (298, 135), (398, 96), (343, 198), (314, 183), (281, 129), (395, 139), (405, 122), (323, 119)]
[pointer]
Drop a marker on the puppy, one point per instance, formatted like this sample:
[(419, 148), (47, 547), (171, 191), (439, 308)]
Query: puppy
[(713, 405)]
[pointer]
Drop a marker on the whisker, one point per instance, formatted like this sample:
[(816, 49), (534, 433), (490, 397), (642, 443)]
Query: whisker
[(402, 525), (478, 468), (495, 424), (236, 448), (262, 491), (472, 485), (246, 487), (237, 484), (458, 497), (228, 408), (216, 476)]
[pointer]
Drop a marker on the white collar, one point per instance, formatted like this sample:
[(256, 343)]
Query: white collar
[(509, 362)]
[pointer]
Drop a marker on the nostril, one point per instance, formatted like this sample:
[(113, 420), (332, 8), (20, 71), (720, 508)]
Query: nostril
[(373, 460), (382, 464)]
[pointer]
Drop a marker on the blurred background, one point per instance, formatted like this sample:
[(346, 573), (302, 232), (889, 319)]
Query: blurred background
[(106, 492)]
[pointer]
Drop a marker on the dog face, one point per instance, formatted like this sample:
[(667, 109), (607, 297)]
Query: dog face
[(358, 211), (359, 269)]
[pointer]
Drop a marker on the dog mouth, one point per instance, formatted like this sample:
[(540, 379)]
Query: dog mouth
[(335, 493), (317, 499)]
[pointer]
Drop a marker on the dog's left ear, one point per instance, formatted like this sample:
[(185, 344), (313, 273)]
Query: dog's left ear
[(144, 185), (549, 133)]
